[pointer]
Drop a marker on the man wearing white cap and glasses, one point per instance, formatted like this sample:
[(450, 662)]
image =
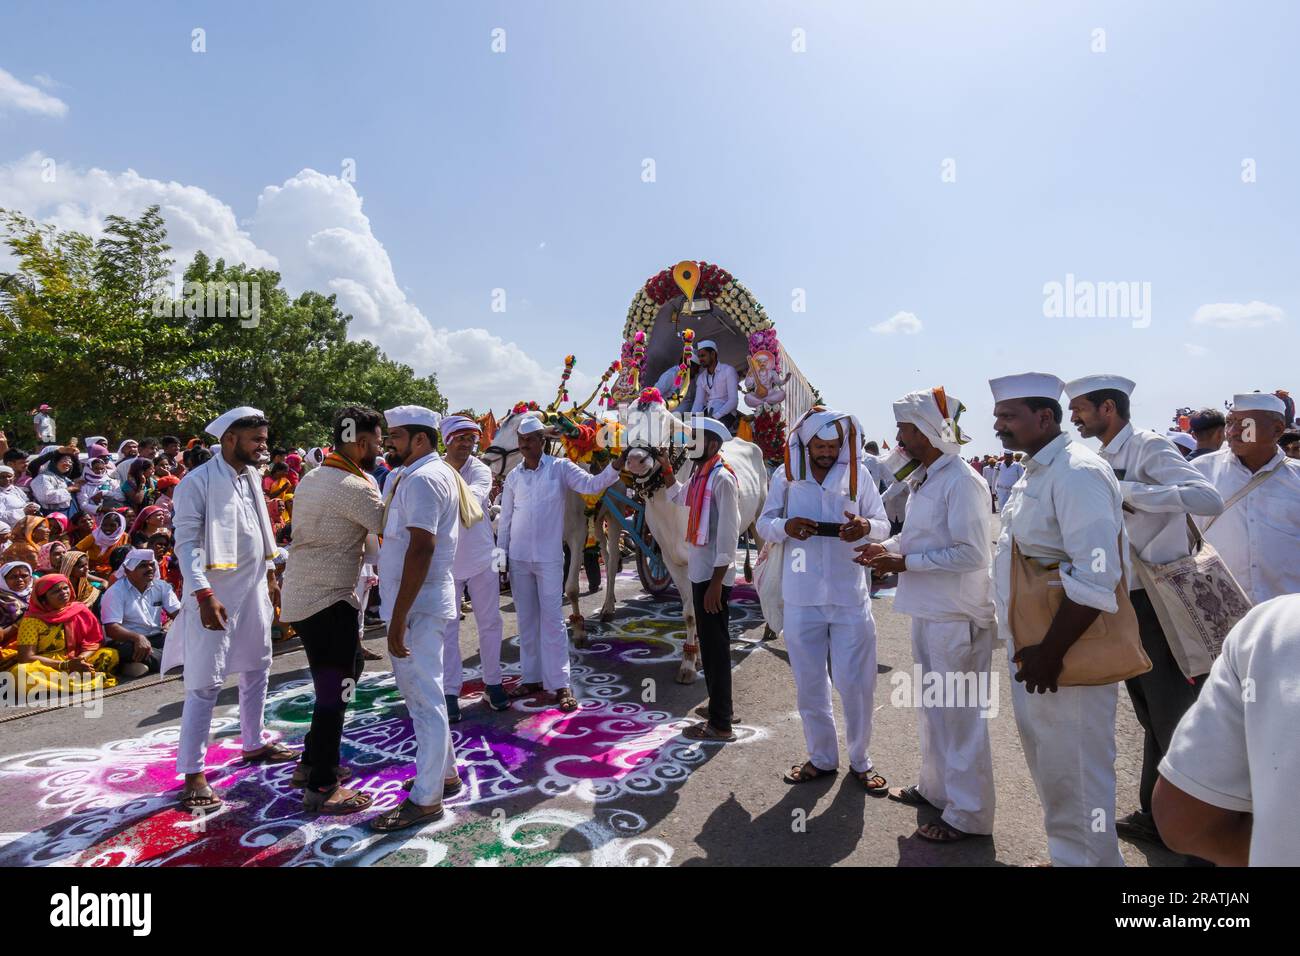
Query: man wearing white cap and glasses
[(132, 610), (717, 386), (1064, 514), (821, 504), (225, 547), (474, 569), (418, 601), (530, 533), (1257, 534), (1160, 489), (942, 558)]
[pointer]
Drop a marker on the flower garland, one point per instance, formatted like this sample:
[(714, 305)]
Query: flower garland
[(769, 434), (716, 284)]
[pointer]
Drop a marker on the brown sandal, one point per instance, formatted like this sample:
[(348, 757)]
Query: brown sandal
[(524, 690), (271, 753), (876, 785), (200, 800), (449, 789), (946, 833), (302, 775), (314, 801), (707, 732), (565, 700), (407, 815), (807, 773)]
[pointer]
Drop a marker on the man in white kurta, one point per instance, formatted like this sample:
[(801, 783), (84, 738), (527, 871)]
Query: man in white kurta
[(530, 534), (475, 569), (717, 386), (224, 546), (1065, 511), (1258, 533), (1005, 477), (418, 601), (829, 630), (942, 557)]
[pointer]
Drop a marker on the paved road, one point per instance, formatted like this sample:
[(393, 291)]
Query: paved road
[(613, 784)]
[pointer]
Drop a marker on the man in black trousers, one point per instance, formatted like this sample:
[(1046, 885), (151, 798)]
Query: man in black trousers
[(335, 506)]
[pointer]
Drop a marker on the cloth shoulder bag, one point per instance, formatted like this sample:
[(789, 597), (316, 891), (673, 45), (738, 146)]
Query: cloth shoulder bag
[(1109, 651), (1196, 598), (471, 512), (769, 570)]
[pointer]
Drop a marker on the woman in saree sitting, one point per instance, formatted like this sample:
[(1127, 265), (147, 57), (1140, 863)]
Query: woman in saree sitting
[(61, 643), (86, 587), (15, 592)]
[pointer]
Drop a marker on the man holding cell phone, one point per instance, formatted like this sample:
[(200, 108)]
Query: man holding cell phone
[(821, 504)]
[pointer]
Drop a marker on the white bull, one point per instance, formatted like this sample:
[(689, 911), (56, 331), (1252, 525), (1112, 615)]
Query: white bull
[(501, 456), (655, 427)]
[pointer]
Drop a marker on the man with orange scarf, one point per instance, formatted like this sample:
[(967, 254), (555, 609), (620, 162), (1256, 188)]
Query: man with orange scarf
[(712, 530)]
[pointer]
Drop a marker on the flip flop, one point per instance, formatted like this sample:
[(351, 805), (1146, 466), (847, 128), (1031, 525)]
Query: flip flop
[(313, 801), (910, 796), (868, 779), (407, 815), (565, 700), (948, 834), (271, 753), (707, 732), (702, 712), (194, 800), (524, 690), (302, 775), (807, 773), (448, 789)]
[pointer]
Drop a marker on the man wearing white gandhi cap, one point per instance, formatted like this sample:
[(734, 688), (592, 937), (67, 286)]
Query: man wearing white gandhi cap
[(224, 546), (820, 504), (418, 601), (1257, 533), (1064, 513), (717, 386), (942, 557), (1160, 488)]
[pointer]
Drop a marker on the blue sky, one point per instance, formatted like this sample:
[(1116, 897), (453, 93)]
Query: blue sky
[(817, 170)]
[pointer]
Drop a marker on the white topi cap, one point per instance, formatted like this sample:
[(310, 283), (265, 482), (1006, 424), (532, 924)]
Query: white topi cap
[(217, 427), (137, 557), (1027, 385), (404, 415), (1182, 440), (707, 344), (531, 424), (712, 425), (1095, 383), (1258, 402)]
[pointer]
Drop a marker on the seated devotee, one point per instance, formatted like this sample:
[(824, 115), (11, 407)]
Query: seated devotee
[(58, 523), (57, 481), (26, 539), (133, 610), (109, 534), (17, 459), (161, 543), (164, 488), (86, 587), (138, 488), (81, 525), (5, 536), (97, 486), (15, 592), (14, 501), (49, 559), (60, 643), (151, 519)]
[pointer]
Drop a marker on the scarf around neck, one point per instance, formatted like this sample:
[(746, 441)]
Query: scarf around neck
[(81, 629), (699, 499)]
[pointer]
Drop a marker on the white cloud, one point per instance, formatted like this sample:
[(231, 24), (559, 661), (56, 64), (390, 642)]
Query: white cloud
[(900, 322), (17, 95), (1235, 315), (311, 229), (1195, 350)]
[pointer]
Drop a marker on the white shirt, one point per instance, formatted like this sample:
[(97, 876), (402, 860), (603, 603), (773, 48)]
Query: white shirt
[(92, 485), (1162, 488), (1066, 509), (724, 528), (819, 571), (1235, 748), (425, 497), (531, 527), (1007, 475), (189, 525), (51, 491), (1258, 537), (716, 392), (123, 603), (475, 545), (13, 504), (947, 545)]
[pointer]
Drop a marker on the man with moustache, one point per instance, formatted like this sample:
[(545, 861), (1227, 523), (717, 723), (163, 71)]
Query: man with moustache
[(335, 507), (225, 548), (1064, 512), (822, 503), (942, 559), (1160, 489), (1257, 534), (717, 387)]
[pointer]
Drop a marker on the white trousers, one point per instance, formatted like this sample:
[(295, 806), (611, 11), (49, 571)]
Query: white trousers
[(538, 589), (485, 595), (814, 642), (1069, 743), (419, 678), (956, 761), (196, 719)]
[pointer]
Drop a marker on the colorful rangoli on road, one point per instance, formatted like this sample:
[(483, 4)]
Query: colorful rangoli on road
[(542, 787)]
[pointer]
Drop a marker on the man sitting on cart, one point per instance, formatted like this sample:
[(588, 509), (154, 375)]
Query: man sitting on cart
[(717, 387)]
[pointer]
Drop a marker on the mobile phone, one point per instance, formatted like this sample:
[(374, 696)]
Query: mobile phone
[(828, 529)]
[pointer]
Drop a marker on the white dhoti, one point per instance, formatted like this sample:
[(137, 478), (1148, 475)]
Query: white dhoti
[(485, 595), (419, 678), (538, 589), (956, 761), (1069, 743), (243, 648), (813, 640)]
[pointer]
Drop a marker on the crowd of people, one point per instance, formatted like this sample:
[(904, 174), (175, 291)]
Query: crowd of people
[(157, 558)]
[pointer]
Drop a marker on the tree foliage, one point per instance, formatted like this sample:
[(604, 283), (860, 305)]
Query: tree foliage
[(92, 328)]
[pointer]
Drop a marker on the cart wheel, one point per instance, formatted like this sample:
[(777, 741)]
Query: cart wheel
[(653, 572)]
